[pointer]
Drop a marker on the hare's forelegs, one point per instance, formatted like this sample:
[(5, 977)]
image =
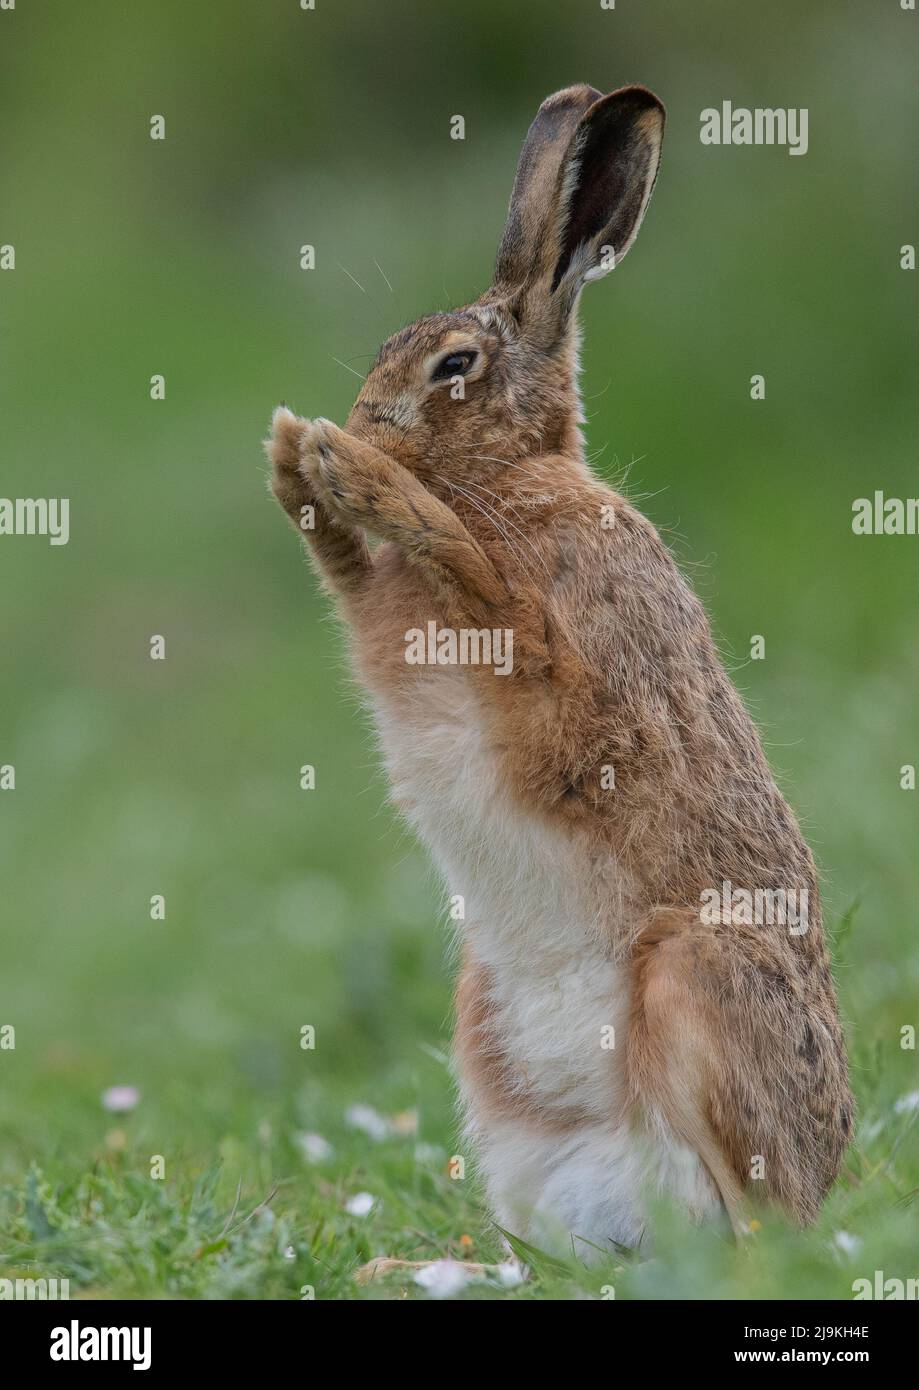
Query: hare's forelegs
[(366, 488), (338, 549)]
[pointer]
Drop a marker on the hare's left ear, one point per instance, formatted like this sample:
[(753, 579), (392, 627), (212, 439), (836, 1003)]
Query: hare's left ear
[(607, 180), (604, 181)]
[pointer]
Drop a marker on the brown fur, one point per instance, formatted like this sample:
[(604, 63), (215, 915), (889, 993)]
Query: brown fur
[(489, 516)]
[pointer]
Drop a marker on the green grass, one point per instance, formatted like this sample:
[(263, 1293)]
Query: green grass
[(242, 1214)]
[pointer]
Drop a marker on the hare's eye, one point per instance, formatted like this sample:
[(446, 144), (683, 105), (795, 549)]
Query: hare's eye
[(457, 364)]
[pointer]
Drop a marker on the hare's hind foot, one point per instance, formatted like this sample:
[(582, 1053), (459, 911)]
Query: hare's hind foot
[(585, 1193)]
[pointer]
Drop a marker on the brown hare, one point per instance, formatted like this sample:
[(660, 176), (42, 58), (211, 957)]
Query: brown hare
[(639, 1011)]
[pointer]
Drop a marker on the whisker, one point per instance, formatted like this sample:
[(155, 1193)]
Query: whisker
[(357, 282), (346, 367), (628, 469), (489, 458), (386, 278), (522, 534), (484, 510), (352, 277), (503, 503)]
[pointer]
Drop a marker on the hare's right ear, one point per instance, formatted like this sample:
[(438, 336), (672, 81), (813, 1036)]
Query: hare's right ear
[(584, 180)]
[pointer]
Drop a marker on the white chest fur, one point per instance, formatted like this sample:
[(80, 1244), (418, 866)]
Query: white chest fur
[(535, 913), (542, 917)]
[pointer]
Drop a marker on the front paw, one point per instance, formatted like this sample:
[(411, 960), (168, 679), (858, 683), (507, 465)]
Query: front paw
[(289, 483), (341, 469)]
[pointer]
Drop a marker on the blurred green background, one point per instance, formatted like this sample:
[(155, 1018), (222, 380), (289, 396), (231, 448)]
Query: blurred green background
[(135, 777)]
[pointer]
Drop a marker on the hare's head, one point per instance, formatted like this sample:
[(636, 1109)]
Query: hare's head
[(463, 393)]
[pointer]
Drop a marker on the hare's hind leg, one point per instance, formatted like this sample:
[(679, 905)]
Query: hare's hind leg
[(735, 1049), (672, 1051)]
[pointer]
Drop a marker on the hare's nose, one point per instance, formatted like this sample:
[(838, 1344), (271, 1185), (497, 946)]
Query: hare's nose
[(376, 414)]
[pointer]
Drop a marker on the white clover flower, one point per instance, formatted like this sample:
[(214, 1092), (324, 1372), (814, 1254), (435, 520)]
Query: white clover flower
[(361, 1204), (846, 1242), (119, 1099), (367, 1120), (314, 1147), (429, 1155), (443, 1278)]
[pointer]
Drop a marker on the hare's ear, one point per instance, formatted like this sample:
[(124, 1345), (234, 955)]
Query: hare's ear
[(536, 184), (575, 222)]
